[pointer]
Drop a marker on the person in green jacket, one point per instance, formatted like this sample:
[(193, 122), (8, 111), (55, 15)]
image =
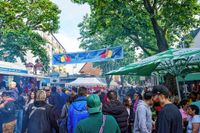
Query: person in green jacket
[(97, 122)]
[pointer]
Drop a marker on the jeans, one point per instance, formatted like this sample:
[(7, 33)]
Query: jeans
[(1, 127), (19, 117)]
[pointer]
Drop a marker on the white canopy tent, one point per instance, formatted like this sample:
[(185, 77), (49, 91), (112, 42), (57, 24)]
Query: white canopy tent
[(112, 83), (88, 81)]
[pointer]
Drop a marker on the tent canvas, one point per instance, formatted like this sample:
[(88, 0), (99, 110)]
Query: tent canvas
[(174, 61), (112, 83), (89, 81)]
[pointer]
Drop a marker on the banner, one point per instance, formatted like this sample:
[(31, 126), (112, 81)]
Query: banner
[(89, 56)]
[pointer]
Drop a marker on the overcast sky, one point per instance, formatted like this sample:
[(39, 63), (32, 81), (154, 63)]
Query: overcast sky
[(71, 15)]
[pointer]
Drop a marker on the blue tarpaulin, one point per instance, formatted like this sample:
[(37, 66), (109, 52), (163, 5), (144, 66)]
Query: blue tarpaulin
[(89, 56)]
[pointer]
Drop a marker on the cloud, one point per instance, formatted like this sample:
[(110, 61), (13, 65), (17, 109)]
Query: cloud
[(71, 15), (71, 44)]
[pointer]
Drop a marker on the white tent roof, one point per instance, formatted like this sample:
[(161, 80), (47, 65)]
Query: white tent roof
[(112, 83), (91, 81)]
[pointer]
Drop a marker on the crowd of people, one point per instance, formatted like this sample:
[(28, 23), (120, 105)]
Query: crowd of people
[(55, 110)]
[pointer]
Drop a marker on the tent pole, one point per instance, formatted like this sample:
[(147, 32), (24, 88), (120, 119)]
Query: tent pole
[(157, 79), (178, 88)]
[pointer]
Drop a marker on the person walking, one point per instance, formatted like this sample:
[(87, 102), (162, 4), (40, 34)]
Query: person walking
[(97, 122), (19, 104), (129, 107), (54, 99), (63, 96), (13, 89), (39, 117), (31, 99), (184, 112), (73, 95), (169, 118), (7, 113), (77, 110), (137, 100), (143, 115), (115, 108), (194, 120)]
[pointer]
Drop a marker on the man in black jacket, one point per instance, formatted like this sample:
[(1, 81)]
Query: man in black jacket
[(117, 110), (39, 117), (54, 99)]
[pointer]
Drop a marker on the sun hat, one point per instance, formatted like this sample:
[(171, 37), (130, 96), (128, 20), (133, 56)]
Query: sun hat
[(93, 103)]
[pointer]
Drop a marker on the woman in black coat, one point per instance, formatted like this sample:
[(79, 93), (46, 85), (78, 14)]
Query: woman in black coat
[(129, 107)]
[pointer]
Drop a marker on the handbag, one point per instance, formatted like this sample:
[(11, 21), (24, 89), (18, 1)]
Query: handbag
[(102, 126)]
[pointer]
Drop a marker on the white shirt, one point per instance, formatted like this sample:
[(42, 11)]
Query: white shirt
[(191, 120)]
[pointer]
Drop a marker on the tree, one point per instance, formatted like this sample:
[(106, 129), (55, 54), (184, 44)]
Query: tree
[(109, 38), (152, 25), (144, 21), (21, 21)]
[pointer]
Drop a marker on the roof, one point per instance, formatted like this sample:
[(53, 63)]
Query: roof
[(193, 33), (90, 81), (88, 69)]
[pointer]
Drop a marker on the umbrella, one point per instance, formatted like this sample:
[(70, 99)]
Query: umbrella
[(173, 61), (143, 67)]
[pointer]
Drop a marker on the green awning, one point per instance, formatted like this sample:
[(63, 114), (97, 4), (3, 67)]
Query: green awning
[(173, 61), (190, 77)]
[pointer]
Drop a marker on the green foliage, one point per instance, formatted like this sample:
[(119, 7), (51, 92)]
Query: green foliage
[(134, 18), (187, 40), (152, 25), (20, 22)]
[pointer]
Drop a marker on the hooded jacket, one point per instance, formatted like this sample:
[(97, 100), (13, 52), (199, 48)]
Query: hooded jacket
[(143, 118), (39, 118), (119, 112), (76, 112)]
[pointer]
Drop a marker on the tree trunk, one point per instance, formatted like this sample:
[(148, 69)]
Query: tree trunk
[(160, 36), (170, 82), (122, 81), (108, 80)]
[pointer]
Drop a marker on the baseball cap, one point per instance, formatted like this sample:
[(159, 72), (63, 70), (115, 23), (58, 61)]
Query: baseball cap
[(93, 103), (161, 89)]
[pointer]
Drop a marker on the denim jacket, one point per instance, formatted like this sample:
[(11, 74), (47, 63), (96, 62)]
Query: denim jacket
[(143, 119)]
